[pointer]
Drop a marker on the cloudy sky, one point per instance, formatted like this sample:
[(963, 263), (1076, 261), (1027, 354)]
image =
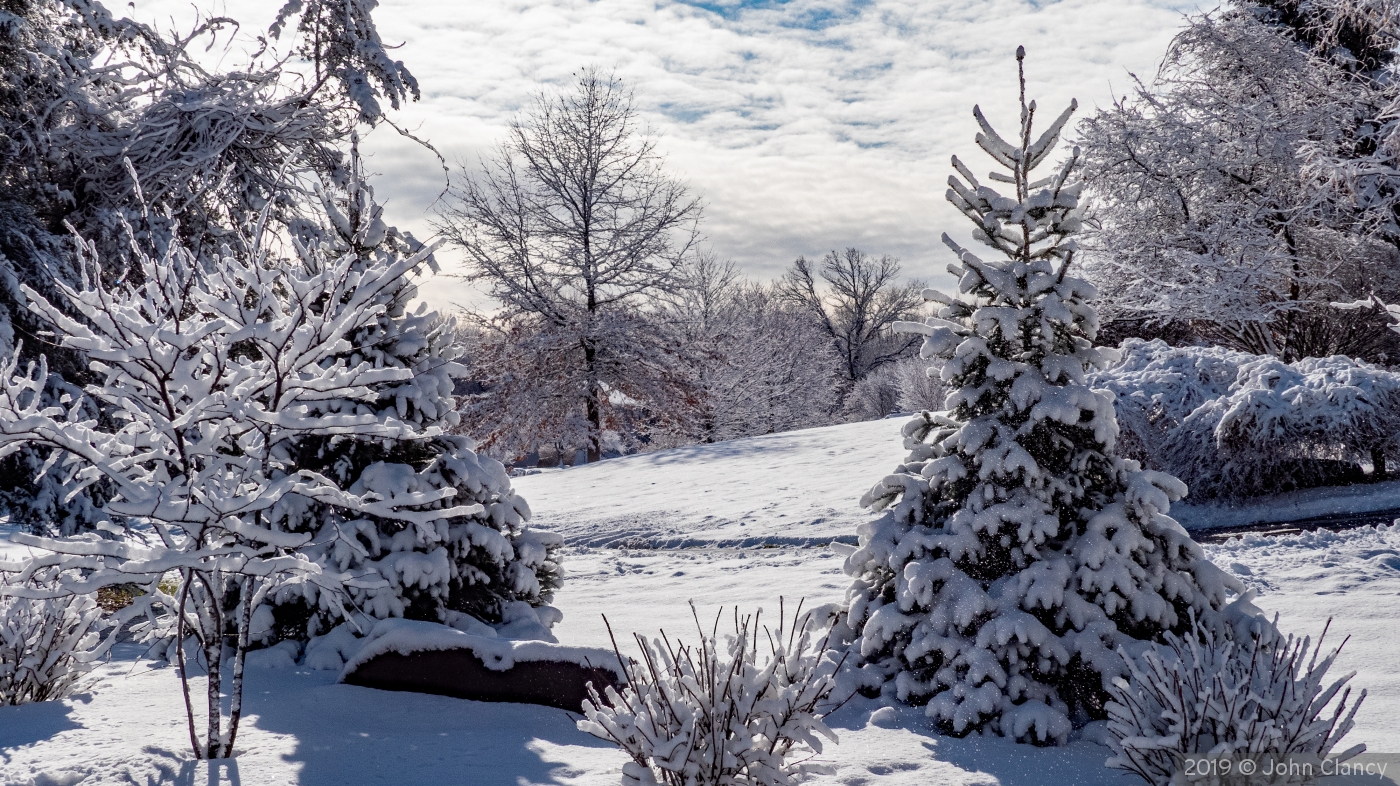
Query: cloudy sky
[(804, 125)]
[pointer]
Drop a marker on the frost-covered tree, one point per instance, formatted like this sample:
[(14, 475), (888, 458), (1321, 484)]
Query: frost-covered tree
[(577, 231), (1218, 184), (235, 381), (907, 385), (855, 299), (91, 101), (758, 365), (1015, 550)]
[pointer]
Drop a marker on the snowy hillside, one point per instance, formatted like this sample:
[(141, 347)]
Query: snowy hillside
[(795, 488), (742, 522)]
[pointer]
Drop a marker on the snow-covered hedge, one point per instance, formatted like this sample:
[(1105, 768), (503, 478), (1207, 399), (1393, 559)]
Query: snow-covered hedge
[(1157, 386), (46, 644), (1221, 702), (1232, 424), (716, 714)]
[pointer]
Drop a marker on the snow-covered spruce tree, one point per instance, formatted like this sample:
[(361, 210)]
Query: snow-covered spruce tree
[(488, 565), (1015, 550)]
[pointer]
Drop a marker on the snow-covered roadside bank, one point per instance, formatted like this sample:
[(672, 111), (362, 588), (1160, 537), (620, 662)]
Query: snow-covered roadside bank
[(803, 488)]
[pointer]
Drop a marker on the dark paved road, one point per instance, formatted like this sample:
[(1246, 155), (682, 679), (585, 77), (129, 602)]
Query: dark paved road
[(1334, 522)]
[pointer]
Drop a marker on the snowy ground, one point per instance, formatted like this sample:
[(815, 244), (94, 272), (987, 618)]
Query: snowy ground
[(741, 522)]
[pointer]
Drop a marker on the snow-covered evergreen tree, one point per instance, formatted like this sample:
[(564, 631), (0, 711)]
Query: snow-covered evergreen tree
[(1016, 550), (489, 565)]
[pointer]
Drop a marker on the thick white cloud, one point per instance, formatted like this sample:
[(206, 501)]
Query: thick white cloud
[(804, 125)]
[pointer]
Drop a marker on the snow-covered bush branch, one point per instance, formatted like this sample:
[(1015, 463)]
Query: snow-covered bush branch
[(46, 644), (745, 711), (1259, 698)]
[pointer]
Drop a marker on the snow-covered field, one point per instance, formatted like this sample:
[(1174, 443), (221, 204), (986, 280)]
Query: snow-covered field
[(741, 522)]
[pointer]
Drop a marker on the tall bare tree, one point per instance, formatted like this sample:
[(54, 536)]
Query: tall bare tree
[(573, 226), (861, 301)]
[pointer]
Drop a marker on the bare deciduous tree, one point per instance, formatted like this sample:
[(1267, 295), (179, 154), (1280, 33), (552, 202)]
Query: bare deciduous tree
[(573, 225), (864, 298)]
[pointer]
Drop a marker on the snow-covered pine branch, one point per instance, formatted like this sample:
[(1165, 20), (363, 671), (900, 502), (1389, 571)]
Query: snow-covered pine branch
[(1016, 551)]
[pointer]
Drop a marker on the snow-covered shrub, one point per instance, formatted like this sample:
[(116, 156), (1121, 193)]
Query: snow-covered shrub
[(1262, 698), (46, 644), (718, 714), (1017, 551), (1157, 386), (1300, 424)]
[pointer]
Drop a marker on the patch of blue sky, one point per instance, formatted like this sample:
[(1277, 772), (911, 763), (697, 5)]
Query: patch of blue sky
[(793, 13), (682, 113)]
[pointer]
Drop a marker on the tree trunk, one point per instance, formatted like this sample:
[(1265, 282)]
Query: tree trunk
[(214, 657), (245, 616), (180, 657), (1377, 463), (593, 401)]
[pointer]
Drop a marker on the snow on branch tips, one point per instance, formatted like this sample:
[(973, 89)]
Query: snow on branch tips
[(1261, 698), (718, 714), (1016, 550), (211, 370)]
